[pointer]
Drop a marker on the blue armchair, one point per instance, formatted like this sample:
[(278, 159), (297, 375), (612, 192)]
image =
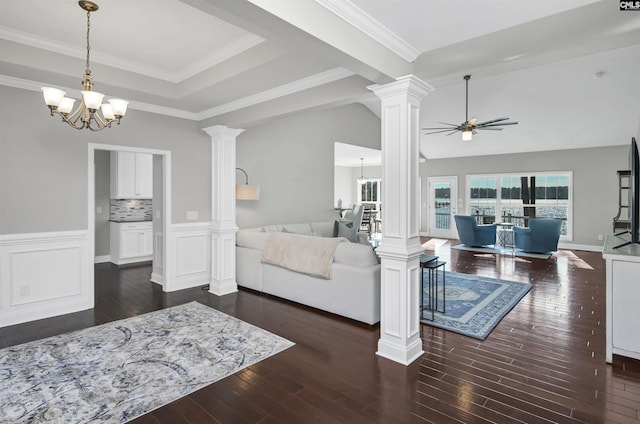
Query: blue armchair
[(472, 234), (540, 237)]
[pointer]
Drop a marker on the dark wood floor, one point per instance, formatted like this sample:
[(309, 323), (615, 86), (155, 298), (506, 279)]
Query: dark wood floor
[(544, 362)]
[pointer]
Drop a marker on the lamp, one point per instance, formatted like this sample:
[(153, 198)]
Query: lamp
[(246, 191), (467, 135), (86, 115)]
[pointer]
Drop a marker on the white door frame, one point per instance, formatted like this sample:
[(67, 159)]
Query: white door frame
[(451, 233), (165, 208)]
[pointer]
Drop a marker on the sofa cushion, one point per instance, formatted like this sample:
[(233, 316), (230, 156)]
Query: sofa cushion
[(302, 228), (322, 229), (355, 254), (270, 229), (251, 239)]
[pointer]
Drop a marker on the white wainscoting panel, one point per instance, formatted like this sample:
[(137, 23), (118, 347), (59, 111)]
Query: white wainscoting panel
[(191, 254), (157, 273), (43, 275)]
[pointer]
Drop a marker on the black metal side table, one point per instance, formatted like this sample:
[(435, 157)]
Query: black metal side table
[(432, 264)]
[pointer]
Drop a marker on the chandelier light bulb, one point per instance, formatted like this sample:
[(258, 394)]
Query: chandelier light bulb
[(107, 111), (92, 99), (66, 105), (119, 106), (52, 96)]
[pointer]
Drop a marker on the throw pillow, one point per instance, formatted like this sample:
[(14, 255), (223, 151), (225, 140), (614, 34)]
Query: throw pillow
[(342, 230)]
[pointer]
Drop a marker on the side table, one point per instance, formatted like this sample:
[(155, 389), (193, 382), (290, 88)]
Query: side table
[(432, 264), (506, 236)]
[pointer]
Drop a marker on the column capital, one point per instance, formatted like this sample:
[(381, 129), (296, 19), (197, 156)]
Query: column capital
[(409, 84), (222, 130)]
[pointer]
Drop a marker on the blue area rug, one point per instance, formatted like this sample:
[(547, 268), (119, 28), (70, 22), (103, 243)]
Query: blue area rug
[(474, 304), (115, 372)]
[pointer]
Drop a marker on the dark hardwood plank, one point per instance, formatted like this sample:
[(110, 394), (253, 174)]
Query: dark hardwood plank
[(543, 363)]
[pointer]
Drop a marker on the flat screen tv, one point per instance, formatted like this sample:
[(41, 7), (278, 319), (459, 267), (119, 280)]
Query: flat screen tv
[(634, 195)]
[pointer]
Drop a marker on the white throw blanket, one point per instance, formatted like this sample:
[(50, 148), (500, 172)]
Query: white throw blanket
[(306, 254)]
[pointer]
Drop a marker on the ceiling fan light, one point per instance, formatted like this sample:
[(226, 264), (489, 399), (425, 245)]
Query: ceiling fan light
[(52, 96), (467, 135)]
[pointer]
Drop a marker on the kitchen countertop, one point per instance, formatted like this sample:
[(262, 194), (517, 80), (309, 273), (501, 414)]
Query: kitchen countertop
[(120, 221)]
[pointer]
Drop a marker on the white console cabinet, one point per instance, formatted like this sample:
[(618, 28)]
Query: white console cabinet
[(131, 175), (623, 298), (131, 242)]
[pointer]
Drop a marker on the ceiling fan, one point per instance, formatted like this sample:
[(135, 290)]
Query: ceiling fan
[(469, 126)]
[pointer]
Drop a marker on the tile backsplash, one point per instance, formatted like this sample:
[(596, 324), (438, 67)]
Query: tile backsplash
[(131, 209)]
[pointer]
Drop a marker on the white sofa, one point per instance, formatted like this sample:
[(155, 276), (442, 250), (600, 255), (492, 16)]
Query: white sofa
[(353, 291)]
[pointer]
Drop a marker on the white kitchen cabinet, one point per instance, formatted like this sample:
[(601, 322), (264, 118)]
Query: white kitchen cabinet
[(131, 242), (623, 297), (131, 175)]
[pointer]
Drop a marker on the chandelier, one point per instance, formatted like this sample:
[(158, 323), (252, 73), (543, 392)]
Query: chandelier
[(86, 115)]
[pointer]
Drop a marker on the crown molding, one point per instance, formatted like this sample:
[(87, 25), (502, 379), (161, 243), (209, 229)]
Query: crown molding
[(358, 18), (273, 93), (145, 107), (229, 50)]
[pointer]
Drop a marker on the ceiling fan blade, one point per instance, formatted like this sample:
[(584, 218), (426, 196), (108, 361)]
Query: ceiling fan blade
[(440, 130), (498, 124), (447, 123), (452, 132), (472, 121), (492, 121), (490, 128)]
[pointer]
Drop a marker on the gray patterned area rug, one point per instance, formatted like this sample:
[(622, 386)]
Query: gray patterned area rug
[(120, 370)]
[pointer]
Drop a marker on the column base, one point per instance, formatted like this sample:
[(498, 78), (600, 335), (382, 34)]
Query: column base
[(401, 354), (222, 288)]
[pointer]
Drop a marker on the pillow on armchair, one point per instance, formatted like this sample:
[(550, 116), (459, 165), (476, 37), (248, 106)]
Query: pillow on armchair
[(346, 230)]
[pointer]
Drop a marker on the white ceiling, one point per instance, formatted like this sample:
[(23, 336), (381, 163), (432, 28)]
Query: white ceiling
[(242, 62)]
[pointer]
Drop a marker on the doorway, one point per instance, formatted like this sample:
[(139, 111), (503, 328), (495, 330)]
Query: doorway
[(161, 206), (442, 206)]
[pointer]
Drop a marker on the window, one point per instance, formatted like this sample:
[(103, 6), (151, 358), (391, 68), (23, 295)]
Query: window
[(482, 198), (369, 191), (517, 198)]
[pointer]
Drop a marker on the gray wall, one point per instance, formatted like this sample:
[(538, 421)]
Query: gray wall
[(595, 182), (344, 186), (43, 163), (292, 159)]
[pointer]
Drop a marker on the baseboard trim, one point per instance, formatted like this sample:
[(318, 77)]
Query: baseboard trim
[(102, 259), (157, 278), (586, 247)]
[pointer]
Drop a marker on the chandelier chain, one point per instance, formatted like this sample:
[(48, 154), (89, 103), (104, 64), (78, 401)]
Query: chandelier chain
[(88, 71)]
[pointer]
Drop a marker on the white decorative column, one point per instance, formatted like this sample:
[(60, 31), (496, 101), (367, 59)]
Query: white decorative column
[(223, 209), (400, 247)]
